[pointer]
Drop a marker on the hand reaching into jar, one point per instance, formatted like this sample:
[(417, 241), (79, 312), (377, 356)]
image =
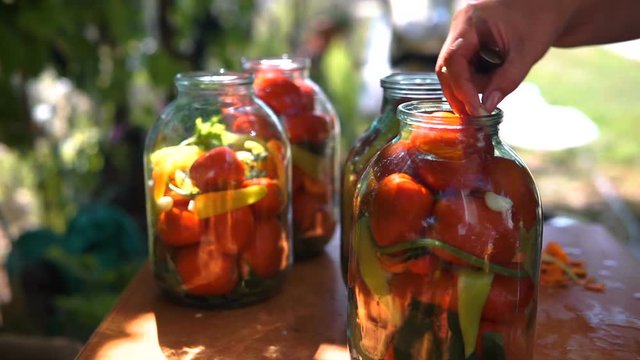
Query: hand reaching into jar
[(492, 44)]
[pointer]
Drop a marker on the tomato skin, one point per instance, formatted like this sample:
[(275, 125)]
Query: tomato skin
[(232, 231), (307, 128), (273, 203), (205, 270), (179, 227), (394, 158), (217, 169), (296, 178), (443, 175), (510, 180), (507, 298), (399, 208), (280, 93), (466, 223), (308, 96), (311, 215), (264, 254)]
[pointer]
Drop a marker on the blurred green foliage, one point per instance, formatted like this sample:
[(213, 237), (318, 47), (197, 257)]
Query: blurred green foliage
[(80, 83)]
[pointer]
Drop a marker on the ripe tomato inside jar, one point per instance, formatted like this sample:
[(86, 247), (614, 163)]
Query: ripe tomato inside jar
[(312, 128), (446, 243)]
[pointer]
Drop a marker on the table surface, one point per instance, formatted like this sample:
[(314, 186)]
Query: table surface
[(307, 319)]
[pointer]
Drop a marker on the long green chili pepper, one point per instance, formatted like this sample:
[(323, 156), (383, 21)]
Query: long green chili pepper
[(437, 244)]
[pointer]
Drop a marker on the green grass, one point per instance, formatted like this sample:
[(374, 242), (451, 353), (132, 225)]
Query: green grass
[(605, 86)]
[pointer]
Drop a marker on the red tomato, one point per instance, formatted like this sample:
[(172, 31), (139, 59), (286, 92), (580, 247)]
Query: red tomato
[(273, 202), (206, 271), (308, 96), (466, 223), (232, 231), (179, 227), (507, 298), (217, 169), (254, 125), (510, 180), (316, 187), (281, 94), (264, 254), (296, 178), (399, 209), (443, 175), (393, 158), (311, 215), (307, 128)]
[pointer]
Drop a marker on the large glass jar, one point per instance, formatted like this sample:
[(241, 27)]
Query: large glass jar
[(397, 88), (446, 247), (312, 127), (217, 169)]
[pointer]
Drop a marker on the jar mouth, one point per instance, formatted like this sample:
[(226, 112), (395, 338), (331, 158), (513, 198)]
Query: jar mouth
[(212, 79), (283, 62), (435, 114)]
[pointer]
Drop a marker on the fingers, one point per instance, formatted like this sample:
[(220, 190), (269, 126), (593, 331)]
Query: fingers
[(456, 77)]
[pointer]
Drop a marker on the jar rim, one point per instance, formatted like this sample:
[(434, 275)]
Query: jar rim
[(283, 62), (411, 81), (421, 113), (212, 79)]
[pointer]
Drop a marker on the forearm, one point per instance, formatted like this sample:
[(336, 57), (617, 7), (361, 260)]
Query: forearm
[(600, 21)]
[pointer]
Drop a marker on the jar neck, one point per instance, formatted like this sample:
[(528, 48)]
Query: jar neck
[(472, 133), (296, 68), (214, 84), (399, 88)]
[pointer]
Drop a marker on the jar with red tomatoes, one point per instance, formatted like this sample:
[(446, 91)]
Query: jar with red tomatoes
[(445, 253), (312, 127), (217, 169), (397, 88)]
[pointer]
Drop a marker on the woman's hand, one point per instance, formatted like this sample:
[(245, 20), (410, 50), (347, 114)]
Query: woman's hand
[(518, 31)]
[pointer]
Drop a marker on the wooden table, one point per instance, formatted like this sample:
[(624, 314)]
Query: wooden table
[(307, 319)]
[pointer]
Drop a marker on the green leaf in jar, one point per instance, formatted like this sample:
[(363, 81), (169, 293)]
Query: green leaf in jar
[(473, 290)]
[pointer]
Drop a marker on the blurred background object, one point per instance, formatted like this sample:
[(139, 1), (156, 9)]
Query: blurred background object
[(81, 82)]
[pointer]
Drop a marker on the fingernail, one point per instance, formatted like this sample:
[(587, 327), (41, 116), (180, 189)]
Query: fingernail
[(492, 100)]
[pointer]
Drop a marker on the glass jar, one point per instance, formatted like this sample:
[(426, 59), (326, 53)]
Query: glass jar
[(217, 168), (397, 88), (312, 127), (445, 254)]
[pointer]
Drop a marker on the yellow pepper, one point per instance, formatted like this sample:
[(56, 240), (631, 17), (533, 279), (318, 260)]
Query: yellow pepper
[(166, 161), (312, 165), (368, 264), (214, 203)]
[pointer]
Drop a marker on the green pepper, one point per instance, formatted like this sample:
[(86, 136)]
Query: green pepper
[(473, 290)]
